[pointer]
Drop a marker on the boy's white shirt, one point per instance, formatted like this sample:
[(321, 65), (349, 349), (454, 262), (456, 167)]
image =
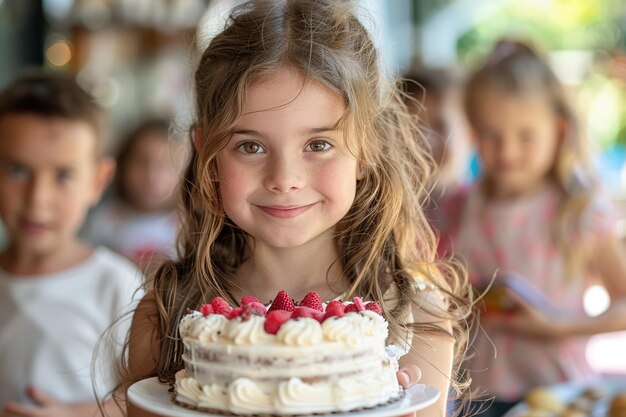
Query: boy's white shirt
[(49, 326)]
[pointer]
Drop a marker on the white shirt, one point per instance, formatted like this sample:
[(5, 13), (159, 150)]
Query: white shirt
[(50, 324)]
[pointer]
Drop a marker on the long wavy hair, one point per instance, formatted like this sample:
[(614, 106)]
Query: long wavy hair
[(384, 238), (516, 68)]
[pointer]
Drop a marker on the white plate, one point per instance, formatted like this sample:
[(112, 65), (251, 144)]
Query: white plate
[(153, 396)]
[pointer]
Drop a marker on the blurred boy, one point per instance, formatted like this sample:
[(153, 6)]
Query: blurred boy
[(57, 294)]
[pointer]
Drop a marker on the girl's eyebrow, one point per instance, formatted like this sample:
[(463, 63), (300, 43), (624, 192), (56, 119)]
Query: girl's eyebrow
[(246, 132), (321, 129), (310, 131)]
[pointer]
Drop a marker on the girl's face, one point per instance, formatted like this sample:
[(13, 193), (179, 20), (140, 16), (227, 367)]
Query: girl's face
[(151, 174), (286, 176), (517, 138)]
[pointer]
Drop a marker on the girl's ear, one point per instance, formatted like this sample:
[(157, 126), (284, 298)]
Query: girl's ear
[(197, 138), (360, 172)]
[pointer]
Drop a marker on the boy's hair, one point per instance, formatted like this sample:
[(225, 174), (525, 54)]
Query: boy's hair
[(52, 94), (385, 237), (516, 68)]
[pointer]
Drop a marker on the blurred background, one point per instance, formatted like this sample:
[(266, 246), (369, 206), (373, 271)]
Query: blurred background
[(134, 56)]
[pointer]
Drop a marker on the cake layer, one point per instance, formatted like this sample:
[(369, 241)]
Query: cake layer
[(226, 363), (290, 396)]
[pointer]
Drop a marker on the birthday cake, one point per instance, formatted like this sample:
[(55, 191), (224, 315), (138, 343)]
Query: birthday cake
[(288, 359)]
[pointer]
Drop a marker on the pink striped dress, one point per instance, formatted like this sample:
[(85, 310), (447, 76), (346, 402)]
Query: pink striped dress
[(515, 236)]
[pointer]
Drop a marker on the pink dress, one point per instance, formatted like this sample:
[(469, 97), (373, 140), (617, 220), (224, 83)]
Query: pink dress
[(515, 236)]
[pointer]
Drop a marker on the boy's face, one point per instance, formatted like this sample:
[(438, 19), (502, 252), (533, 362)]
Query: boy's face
[(49, 177)]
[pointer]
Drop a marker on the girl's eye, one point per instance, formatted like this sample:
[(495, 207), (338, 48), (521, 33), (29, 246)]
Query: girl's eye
[(250, 148), (318, 146), (17, 171), (488, 136), (63, 176)]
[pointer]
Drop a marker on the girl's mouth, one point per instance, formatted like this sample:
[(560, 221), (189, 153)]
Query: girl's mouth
[(285, 212)]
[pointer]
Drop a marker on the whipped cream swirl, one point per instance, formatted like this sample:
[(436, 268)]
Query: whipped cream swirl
[(247, 331), (207, 329), (304, 331), (247, 397), (347, 329)]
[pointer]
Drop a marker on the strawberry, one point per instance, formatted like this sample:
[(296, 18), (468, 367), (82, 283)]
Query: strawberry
[(248, 299), (312, 300), (220, 306), (282, 302), (358, 302), (307, 312), (234, 313), (255, 308), (275, 319), (334, 309), (351, 308), (206, 309), (335, 305), (373, 306)]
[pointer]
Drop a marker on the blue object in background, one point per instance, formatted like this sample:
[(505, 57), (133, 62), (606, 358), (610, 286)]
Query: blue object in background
[(608, 165)]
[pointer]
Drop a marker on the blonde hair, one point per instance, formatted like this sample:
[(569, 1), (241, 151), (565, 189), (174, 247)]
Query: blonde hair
[(383, 239), (516, 68)]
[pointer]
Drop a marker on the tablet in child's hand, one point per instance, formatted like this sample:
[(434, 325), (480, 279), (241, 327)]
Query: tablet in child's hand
[(497, 298)]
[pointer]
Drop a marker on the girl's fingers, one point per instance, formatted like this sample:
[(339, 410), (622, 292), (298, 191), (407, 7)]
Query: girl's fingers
[(408, 375), (41, 398), (18, 410)]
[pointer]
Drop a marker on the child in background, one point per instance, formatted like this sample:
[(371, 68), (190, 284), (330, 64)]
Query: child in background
[(537, 219), (57, 294), (305, 176), (140, 222), (432, 96)]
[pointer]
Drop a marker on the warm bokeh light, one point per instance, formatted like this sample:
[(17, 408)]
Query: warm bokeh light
[(59, 53)]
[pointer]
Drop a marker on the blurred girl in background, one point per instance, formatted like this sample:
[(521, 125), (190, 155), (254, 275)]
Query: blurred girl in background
[(535, 218), (140, 222)]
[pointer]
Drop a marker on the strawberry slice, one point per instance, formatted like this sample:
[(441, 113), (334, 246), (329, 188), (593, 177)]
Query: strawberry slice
[(248, 299), (206, 309), (221, 306), (358, 302), (307, 312), (234, 313), (334, 309), (254, 308), (282, 302), (373, 306), (312, 300), (351, 308), (275, 319)]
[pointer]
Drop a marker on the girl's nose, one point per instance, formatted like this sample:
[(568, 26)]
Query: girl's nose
[(283, 175), (508, 151)]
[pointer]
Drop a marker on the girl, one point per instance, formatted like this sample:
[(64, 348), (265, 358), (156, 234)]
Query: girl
[(305, 176), (535, 214), (140, 221)]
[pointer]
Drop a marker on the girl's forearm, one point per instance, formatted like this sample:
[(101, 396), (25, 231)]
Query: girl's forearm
[(612, 320)]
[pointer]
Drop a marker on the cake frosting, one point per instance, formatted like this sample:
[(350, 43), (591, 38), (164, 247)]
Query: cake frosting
[(286, 360)]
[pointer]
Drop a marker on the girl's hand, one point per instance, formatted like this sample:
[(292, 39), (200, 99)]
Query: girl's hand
[(407, 376), (527, 320), (47, 406)]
